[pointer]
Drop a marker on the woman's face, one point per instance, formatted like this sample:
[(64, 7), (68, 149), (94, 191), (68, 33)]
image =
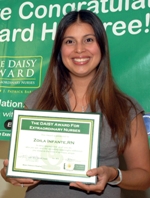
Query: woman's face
[(80, 51)]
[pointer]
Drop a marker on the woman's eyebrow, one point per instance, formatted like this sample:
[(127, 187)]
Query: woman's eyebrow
[(74, 37)]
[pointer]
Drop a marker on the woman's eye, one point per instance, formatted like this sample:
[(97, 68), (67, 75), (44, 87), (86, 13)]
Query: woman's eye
[(69, 42), (88, 40)]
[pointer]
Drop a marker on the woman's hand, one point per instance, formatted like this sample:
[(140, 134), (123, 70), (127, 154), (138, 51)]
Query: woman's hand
[(16, 181), (104, 174)]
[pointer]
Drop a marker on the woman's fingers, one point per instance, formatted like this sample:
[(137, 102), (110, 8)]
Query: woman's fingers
[(16, 181)]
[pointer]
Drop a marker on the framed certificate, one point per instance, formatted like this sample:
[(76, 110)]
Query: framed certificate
[(50, 145)]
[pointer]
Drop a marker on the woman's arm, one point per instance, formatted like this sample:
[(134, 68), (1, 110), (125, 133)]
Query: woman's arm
[(136, 154), (137, 158)]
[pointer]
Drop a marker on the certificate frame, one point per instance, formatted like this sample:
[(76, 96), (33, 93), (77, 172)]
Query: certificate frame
[(54, 145)]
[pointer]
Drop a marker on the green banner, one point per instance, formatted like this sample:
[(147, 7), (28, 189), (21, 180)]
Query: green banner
[(27, 32)]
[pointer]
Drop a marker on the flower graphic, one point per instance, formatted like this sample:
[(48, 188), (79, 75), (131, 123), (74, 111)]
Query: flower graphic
[(69, 166)]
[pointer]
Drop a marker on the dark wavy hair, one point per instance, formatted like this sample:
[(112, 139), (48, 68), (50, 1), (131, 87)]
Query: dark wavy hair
[(113, 103)]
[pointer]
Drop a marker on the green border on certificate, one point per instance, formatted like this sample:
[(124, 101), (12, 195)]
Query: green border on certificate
[(50, 145)]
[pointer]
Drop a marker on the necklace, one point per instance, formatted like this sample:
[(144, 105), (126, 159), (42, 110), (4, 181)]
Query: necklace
[(83, 108)]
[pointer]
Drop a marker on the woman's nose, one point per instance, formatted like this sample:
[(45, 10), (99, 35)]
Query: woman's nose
[(80, 48)]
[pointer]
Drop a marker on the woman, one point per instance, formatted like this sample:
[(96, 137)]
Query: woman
[(79, 79)]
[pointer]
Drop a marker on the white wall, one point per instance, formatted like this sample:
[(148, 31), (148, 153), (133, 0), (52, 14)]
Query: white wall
[(9, 191)]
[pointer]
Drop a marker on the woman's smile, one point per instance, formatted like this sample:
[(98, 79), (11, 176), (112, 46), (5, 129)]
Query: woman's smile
[(80, 61)]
